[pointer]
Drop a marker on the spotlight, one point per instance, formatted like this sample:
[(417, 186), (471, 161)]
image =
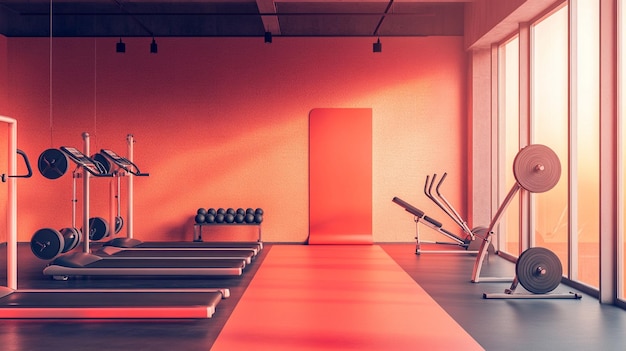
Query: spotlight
[(120, 47), (268, 37), (377, 46), (153, 47)]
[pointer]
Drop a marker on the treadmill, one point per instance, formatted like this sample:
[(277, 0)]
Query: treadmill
[(85, 263), (131, 244), (88, 303)]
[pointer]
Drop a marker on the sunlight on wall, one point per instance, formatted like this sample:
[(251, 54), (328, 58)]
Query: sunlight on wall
[(223, 122)]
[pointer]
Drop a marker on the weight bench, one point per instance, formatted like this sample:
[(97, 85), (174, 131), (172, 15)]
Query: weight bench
[(469, 245)]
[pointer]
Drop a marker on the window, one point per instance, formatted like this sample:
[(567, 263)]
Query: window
[(508, 90), (550, 127), (585, 145), (621, 62)]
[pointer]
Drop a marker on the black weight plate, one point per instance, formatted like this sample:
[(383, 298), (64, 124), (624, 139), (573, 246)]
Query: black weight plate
[(100, 159), (79, 236), (119, 224), (52, 163), (71, 237), (47, 243), (98, 228), (539, 270)]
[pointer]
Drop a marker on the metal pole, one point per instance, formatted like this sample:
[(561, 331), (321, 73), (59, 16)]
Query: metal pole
[(86, 176), (12, 204), (130, 191)]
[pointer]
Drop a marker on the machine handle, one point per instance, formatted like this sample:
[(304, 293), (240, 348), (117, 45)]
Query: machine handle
[(26, 162)]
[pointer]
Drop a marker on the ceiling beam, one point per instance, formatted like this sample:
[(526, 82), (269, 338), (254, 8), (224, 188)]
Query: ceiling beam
[(270, 23)]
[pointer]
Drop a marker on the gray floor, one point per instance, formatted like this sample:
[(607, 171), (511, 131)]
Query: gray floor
[(496, 324), (512, 324)]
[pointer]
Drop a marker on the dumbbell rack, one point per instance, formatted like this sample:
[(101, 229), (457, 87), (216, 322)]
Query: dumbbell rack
[(197, 229)]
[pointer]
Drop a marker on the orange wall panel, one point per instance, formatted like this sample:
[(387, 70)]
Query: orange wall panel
[(223, 122), (340, 176)]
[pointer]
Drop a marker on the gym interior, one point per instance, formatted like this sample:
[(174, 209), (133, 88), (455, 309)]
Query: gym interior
[(379, 175)]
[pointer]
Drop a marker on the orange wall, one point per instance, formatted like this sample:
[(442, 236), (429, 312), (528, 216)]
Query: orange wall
[(223, 122)]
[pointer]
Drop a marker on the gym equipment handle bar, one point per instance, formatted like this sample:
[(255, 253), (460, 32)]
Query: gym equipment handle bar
[(26, 162)]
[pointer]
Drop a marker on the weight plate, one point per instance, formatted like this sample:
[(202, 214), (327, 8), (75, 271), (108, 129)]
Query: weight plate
[(71, 237), (539, 270), (537, 168), (98, 228), (474, 245), (480, 231), (47, 243), (119, 224), (52, 163), (101, 160)]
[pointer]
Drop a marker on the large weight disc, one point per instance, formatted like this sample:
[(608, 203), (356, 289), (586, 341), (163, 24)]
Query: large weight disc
[(101, 160), (72, 238), (539, 270), (47, 243), (52, 163), (119, 224), (98, 228), (537, 168), (480, 234)]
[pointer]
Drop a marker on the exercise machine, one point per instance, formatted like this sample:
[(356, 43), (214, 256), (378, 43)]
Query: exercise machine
[(130, 243), (125, 167), (87, 303), (536, 169), (465, 245), (468, 244), (85, 263)]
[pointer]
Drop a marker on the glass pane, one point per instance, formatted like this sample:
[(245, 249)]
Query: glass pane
[(586, 231), (508, 71), (550, 127)]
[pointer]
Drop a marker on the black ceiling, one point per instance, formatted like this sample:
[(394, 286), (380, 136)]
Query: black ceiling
[(230, 18)]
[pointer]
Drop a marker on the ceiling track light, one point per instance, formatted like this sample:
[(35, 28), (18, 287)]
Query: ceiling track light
[(153, 47), (120, 47), (268, 37), (377, 46)]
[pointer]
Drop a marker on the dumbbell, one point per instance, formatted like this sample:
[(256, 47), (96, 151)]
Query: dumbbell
[(219, 218), (200, 218), (229, 217), (48, 243), (239, 218)]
